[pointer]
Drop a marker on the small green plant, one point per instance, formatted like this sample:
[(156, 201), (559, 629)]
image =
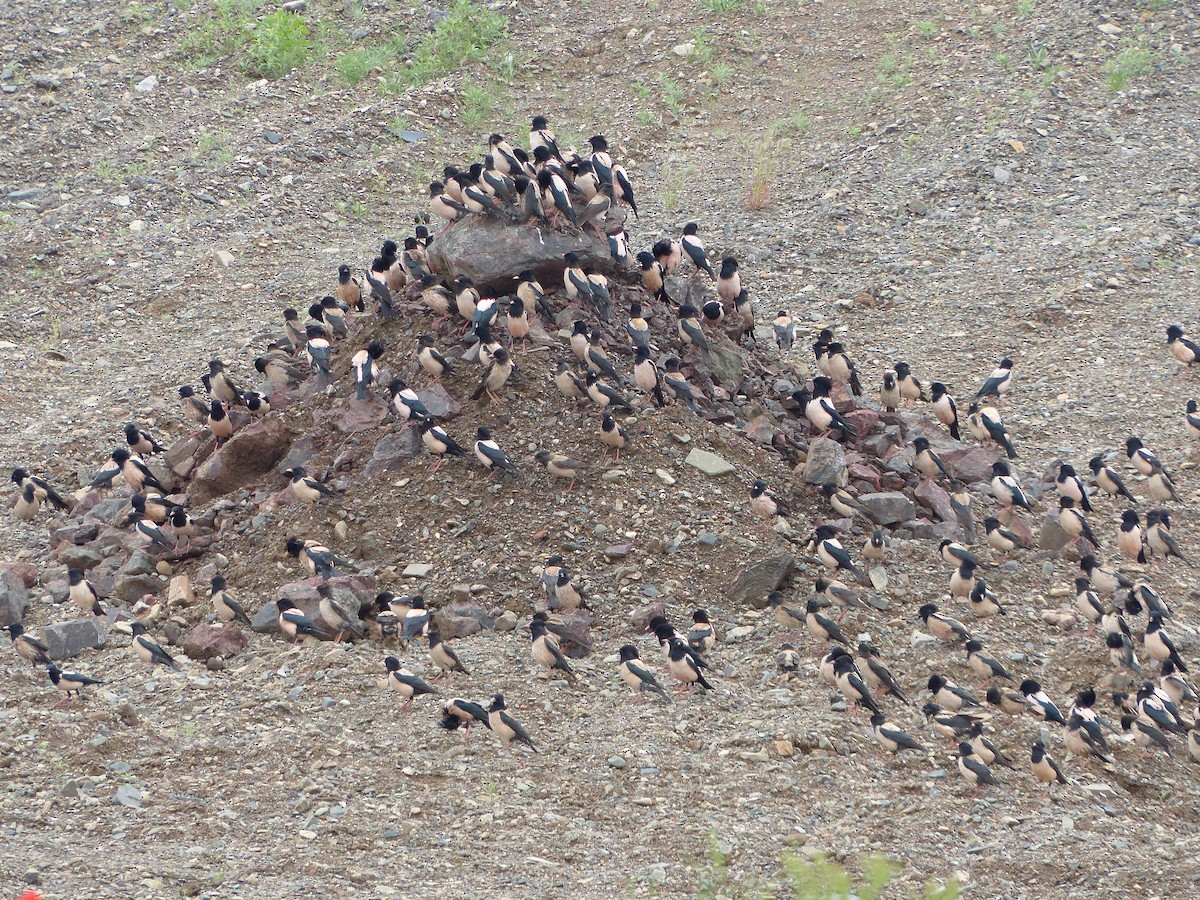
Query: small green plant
[(353, 209), (926, 29), (1127, 66), (672, 93), (1038, 57), (1156, 5), (701, 51), (1002, 60), (397, 124), (478, 104), (999, 28), (1025, 7), (641, 90), (763, 157), (279, 42), (721, 73), (720, 6), (644, 117), (855, 130), (465, 35), (1050, 74), (355, 65)]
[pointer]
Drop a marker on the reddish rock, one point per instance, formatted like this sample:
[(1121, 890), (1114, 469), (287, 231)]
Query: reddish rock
[(353, 415), (862, 421), (24, 572), (930, 495), (208, 641), (970, 465), (761, 430), (439, 402), (640, 618), (860, 472), (247, 455)]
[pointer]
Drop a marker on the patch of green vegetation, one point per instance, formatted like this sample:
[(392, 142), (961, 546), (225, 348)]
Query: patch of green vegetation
[(701, 52), (720, 6), (1002, 60), (1127, 66), (999, 28), (1025, 7), (644, 117), (1038, 57), (761, 8), (138, 15), (641, 90), (925, 29), (893, 70), (279, 42), (672, 93), (1051, 73), (478, 103), (1156, 5), (464, 36), (355, 65), (763, 161), (797, 123), (721, 73), (806, 878), (352, 209)]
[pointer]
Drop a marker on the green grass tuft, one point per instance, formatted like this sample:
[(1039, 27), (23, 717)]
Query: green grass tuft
[(279, 42), (1127, 66), (720, 6), (465, 36)]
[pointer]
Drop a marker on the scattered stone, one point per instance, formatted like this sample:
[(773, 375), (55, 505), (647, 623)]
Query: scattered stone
[(14, 598), (439, 403), (74, 557), (70, 638), (617, 762), (757, 580), (971, 465), (935, 499), (665, 477), (826, 463), (491, 253), (708, 463), (506, 621), (206, 642), (128, 795), (761, 429), (417, 570), (75, 534), (618, 551), (640, 617), (249, 454), (888, 507), (146, 85), (179, 592), (733, 635), (393, 451), (1052, 536)]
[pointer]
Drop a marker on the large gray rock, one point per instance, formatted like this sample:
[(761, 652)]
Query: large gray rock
[(461, 618), (932, 497), (491, 252), (67, 639), (130, 588), (14, 598), (74, 557), (826, 463), (113, 511), (888, 507), (139, 563), (439, 402), (393, 450), (75, 534), (757, 580), (250, 453)]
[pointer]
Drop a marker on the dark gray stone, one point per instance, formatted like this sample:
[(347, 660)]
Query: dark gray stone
[(888, 507), (757, 580), (74, 557), (14, 598), (113, 511), (439, 402), (67, 639), (130, 588), (391, 453), (826, 463), (250, 453)]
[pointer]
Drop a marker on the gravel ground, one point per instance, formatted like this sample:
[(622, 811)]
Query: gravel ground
[(944, 193)]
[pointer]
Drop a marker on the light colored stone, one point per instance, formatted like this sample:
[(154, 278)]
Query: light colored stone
[(708, 463)]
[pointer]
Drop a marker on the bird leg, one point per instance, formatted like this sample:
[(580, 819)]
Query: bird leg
[(435, 465), (495, 400)]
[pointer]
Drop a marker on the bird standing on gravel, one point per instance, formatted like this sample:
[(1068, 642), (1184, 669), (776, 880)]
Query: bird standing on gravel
[(405, 683), (1006, 489), (926, 461), (430, 359), (365, 371), (972, 768), (889, 393), (910, 389), (944, 408), (546, 652), (822, 627), (876, 674), (457, 712), (820, 411), (438, 443), (494, 376), (141, 442), (640, 679), (70, 682), (147, 650), (505, 727), (986, 425), (890, 737), (1039, 704), (1073, 523), (1108, 480), (944, 628), (337, 616), (28, 647), (83, 593), (998, 383), (1182, 347), (135, 472), (785, 331), (833, 555), (225, 605), (683, 666), (318, 559), (443, 656), (41, 488), (1071, 485), (306, 489)]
